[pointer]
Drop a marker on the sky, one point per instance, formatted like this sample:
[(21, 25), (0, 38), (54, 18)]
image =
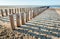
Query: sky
[(29, 2)]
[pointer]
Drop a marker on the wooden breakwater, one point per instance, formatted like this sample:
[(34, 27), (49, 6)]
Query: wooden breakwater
[(21, 16), (8, 10), (18, 19)]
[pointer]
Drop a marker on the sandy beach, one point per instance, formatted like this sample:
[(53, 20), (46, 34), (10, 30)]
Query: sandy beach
[(48, 16)]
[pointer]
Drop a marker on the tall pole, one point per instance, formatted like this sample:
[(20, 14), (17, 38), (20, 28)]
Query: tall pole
[(12, 21)]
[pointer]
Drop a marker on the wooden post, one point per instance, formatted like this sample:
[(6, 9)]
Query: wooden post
[(20, 9), (2, 13), (12, 21), (12, 11), (28, 16), (15, 10), (23, 18), (6, 12), (37, 11), (23, 9), (9, 11), (32, 14), (18, 19)]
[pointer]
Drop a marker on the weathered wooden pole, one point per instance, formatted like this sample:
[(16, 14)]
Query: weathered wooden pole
[(23, 19), (20, 10), (6, 12), (12, 21), (9, 11), (32, 14), (28, 16), (18, 19), (38, 11), (23, 9), (15, 10), (2, 13), (35, 12), (12, 11)]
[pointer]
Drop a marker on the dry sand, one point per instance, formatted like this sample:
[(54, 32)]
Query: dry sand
[(58, 11)]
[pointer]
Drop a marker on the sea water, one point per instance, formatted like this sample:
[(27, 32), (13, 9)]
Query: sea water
[(54, 6)]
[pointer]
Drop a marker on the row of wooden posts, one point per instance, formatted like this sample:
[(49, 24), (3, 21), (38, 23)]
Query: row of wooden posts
[(6, 11), (23, 15), (22, 18)]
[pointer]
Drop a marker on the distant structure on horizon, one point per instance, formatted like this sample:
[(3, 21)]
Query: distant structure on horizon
[(54, 6)]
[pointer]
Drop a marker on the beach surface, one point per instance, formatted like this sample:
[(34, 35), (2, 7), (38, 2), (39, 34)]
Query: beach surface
[(48, 16)]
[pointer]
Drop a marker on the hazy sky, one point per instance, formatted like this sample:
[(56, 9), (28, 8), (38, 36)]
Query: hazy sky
[(29, 2)]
